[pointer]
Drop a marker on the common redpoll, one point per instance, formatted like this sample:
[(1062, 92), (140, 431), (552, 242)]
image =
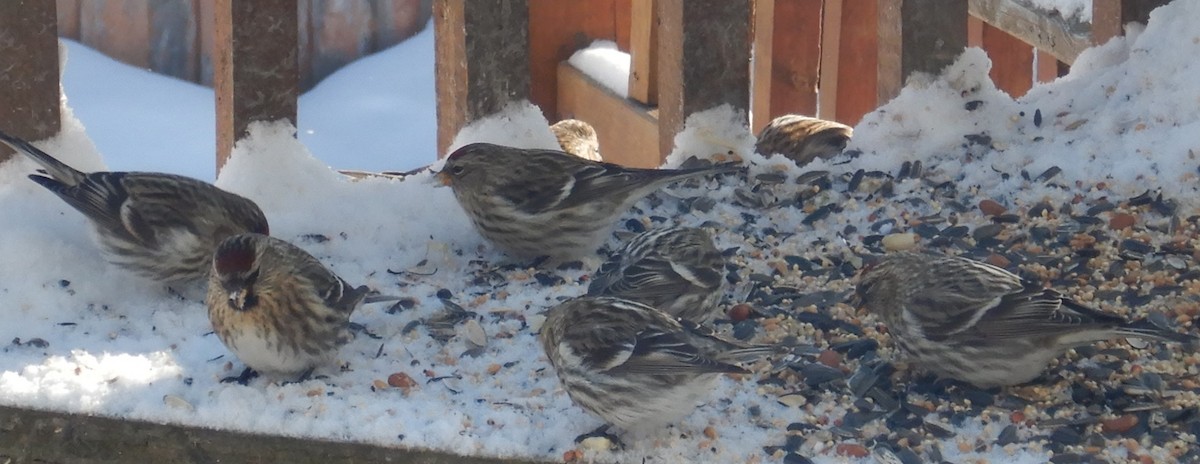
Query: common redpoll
[(577, 138), (801, 138), (634, 366), (161, 226), (677, 270), (971, 321), (277, 308), (533, 203)]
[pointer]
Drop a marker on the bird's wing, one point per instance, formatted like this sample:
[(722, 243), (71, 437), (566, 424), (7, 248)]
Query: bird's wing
[(958, 293), (1037, 312), (659, 352), (333, 290)]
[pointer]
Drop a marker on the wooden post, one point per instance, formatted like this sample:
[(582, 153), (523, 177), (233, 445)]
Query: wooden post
[(643, 53), (703, 60), (917, 36), (481, 60), (1109, 17), (1012, 61), (29, 82), (1047, 66), (558, 29), (787, 59), (256, 76), (831, 54), (856, 73)]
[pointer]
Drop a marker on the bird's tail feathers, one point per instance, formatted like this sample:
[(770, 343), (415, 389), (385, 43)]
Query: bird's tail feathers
[(53, 167), (1145, 329)]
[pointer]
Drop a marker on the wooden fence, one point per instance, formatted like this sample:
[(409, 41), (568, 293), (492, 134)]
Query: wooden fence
[(837, 59)]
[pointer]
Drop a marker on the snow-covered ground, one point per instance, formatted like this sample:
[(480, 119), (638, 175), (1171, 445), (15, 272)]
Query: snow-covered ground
[(88, 337)]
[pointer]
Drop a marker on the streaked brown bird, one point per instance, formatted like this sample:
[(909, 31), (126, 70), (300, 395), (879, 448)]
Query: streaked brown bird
[(160, 226), (577, 138), (978, 323), (802, 139), (677, 270), (634, 366), (531, 203), (277, 308)]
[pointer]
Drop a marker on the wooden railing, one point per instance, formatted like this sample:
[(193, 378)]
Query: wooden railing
[(838, 59)]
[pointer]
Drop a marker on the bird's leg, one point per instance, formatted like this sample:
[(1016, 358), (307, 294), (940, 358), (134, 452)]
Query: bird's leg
[(242, 379), (307, 374), (602, 432)]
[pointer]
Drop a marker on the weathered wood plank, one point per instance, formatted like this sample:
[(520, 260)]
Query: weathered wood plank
[(1109, 17), (173, 46), (1049, 32), (703, 60), (68, 18), (787, 58), (482, 60), (118, 28), (52, 437), (917, 36), (256, 74), (628, 131), (831, 55), (857, 63), (29, 82), (556, 30), (643, 51), (1012, 61)]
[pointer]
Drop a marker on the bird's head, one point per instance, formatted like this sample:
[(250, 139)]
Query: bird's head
[(235, 263), (466, 165)]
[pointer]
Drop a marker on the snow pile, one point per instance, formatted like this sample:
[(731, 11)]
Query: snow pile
[(604, 62)]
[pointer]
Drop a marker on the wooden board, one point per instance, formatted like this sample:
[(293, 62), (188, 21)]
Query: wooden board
[(256, 73), (1012, 61), (68, 18), (481, 60), (703, 60), (1109, 17), (857, 63), (643, 51), (31, 436), (118, 28), (917, 36), (628, 131), (1062, 38), (557, 29), (29, 83), (787, 59)]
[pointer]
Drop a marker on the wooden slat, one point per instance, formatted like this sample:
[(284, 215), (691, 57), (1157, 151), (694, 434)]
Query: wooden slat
[(623, 22), (397, 20), (173, 45), (1062, 38), (857, 63), (340, 33), (831, 54), (29, 82), (256, 76), (703, 60), (32, 436), (68, 18), (628, 131), (118, 28), (1047, 67), (205, 12), (481, 60), (974, 32), (556, 30), (1012, 61), (917, 36), (1109, 17), (787, 58), (643, 80)]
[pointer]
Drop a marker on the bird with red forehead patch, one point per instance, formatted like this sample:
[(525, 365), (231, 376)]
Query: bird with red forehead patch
[(161, 226), (277, 308), (531, 202)]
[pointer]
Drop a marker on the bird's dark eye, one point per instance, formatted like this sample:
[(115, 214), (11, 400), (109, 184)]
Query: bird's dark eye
[(456, 170)]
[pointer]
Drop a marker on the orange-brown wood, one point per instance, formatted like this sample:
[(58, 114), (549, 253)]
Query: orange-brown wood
[(917, 36), (1012, 61), (118, 28), (1047, 66), (857, 63), (340, 33), (556, 30), (787, 57), (643, 80), (256, 74), (1110, 16), (623, 16), (68, 18), (628, 131), (396, 20), (974, 31), (831, 53), (29, 96)]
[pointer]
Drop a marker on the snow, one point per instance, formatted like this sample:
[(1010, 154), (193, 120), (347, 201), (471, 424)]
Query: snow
[(1080, 10), (98, 340), (605, 63)]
